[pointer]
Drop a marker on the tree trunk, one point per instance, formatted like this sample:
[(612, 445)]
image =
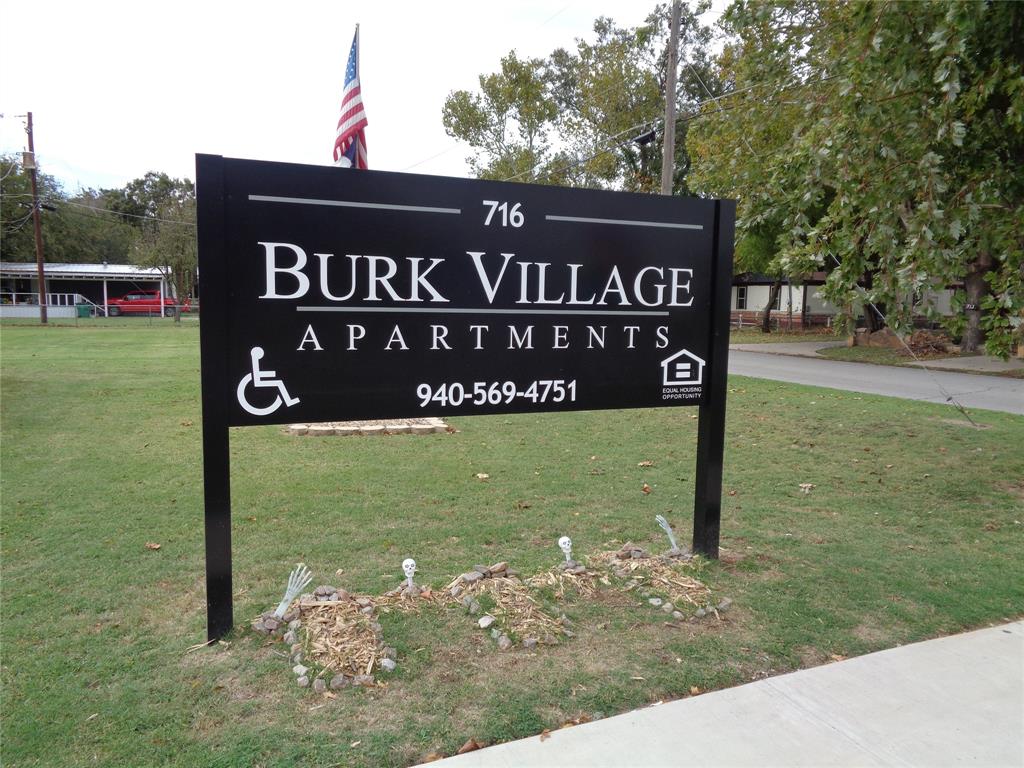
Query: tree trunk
[(766, 318), (976, 288), (874, 319)]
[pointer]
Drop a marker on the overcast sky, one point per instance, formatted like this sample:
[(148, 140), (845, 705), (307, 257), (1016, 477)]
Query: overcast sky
[(118, 89)]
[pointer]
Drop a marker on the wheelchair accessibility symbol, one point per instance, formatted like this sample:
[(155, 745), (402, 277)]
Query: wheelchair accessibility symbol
[(263, 380)]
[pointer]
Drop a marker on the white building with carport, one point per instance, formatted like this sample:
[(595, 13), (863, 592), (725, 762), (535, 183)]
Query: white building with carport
[(69, 286)]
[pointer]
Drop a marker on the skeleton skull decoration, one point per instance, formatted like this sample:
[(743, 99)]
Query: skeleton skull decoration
[(298, 580), (565, 544), (409, 566)]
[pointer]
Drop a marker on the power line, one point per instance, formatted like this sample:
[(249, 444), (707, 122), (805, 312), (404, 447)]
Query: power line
[(130, 215)]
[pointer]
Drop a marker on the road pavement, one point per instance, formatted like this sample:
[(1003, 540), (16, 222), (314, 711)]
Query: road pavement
[(970, 390)]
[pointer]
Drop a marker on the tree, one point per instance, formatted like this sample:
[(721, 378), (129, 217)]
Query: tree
[(507, 122), (571, 118), (885, 140), (170, 245), (141, 199), (74, 229)]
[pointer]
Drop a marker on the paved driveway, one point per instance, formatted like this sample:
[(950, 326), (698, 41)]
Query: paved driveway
[(970, 390)]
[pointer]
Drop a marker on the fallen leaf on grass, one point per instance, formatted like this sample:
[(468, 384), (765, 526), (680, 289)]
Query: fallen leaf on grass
[(646, 464), (578, 720), (482, 476), (837, 657), (152, 545), (186, 423), (732, 493), (637, 677), (545, 735), (646, 488), (807, 487), (432, 757), (990, 526), (694, 690), (469, 746), (93, 716), (355, 743), (522, 505)]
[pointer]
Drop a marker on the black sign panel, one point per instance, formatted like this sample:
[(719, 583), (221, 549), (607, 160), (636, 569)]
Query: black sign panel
[(332, 294), (371, 295)]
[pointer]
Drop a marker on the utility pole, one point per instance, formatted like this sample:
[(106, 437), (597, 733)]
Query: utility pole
[(669, 147), (37, 224)]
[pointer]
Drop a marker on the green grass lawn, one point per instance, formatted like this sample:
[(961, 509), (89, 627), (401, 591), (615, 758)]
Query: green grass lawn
[(755, 336), (884, 356), (913, 530)]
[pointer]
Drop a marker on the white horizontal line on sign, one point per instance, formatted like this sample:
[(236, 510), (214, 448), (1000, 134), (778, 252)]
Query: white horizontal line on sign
[(626, 222), (352, 204), (462, 311)]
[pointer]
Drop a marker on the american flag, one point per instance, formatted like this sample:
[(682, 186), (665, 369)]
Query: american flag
[(350, 139)]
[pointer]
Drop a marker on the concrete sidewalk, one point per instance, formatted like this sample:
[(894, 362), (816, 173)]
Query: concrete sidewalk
[(952, 701)]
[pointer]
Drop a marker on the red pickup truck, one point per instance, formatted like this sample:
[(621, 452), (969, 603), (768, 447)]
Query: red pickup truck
[(144, 303)]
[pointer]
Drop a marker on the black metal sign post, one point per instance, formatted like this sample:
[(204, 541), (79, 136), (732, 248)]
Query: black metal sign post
[(331, 295)]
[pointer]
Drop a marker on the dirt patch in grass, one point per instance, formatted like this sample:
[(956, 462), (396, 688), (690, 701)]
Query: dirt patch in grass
[(1014, 488), (871, 633)]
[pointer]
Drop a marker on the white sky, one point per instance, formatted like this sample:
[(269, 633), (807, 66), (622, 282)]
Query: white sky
[(118, 89)]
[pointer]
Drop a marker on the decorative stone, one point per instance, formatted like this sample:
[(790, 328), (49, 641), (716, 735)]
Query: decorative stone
[(297, 658), (498, 568), (363, 602), (483, 570), (472, 576), (303, 682), (474, 607), (366, 680), (577, 570), (668, 607), (637, 554), (289, 637), (294, 624), (257, 626), (725, 605), (296, 647), (467, 601), (485, 621), (700, 613), (300, 670), (568, 633), (339, 681), (377, 628), (271, 624), (655, 601), (343, 595), (324, 589), (530, 642), (677, 615), (388, 665), (504, 643), (366, 610), (495, 633), (292, 614), (319, 685), (456, 591)]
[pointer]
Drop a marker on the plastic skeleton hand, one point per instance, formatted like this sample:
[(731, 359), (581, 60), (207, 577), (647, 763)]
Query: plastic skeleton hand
[(668, 529), (297, 581)]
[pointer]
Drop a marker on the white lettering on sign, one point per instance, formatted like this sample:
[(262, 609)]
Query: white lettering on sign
[(376, 278)]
